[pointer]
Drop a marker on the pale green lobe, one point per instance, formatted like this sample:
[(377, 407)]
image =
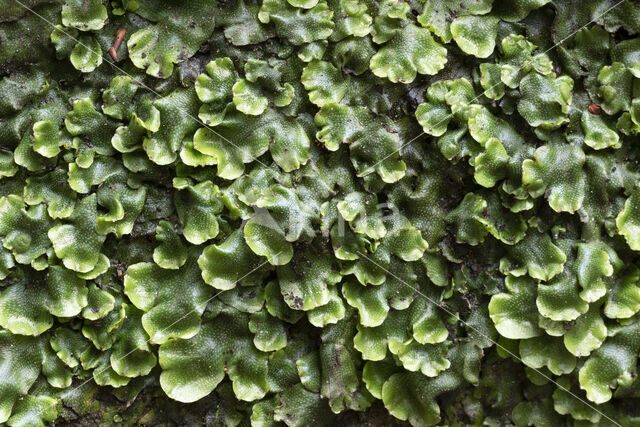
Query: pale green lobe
[(215, 86), (178, 110), (628, 53), (21, 313), (549, 352), (66, 294), (99, 303), (95, 128), (375, 374), (490, 166), (511, 312), (308, 367), (623, 298), (197, 207), (250, 297), (8, 167), (84, 15), (191, 369), (411, 51), (399, 397), (240, 139), (371, 304), (309, 285), (373, 144), (23, 229), (28, 306), (34, 410), (47, 138), (363, 213), (263, 81), (192, 157), (86, 55), (464, 220), (490, 80), (556, 172), (437, 15), (545, 100), (430, 360), (433, 115), (592, 266), (6, 262), (298, 25), (615, 88), (565, 402), (324, 82), (270, 332), (214, 89), (224, 264), (587, 334), (330, 313), (612, 364), (313, 51), (63, 39), (628, 220), (305, 4), (77, 242), (132, 356), (353, 54), (118, 98), (559, 298), (21, 359), (127, 139), (171, 253), (247, 98), (598, 134), (25, 156), (68, 346), (536, 255), (270, 233), (351, 19), (475, 35), (177, 35), (172, 300), (408, 244), (501, 223), (407, 331), (266, 238), (123, 205), (101, 168), (241, 24)]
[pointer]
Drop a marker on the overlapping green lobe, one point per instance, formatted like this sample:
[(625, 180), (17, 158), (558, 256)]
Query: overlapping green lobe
[(192, 368), (154, 291), (21, 366), (158, 47), (76, 242), (373, 144)]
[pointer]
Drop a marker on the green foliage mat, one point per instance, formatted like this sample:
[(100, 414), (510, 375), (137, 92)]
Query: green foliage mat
[(317, 212)]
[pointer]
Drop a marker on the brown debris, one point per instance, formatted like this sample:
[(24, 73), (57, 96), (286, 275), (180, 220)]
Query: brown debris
[(594, 108), (117, 41)]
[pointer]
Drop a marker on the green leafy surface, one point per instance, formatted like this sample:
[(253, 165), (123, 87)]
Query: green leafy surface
[(317, 212)]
